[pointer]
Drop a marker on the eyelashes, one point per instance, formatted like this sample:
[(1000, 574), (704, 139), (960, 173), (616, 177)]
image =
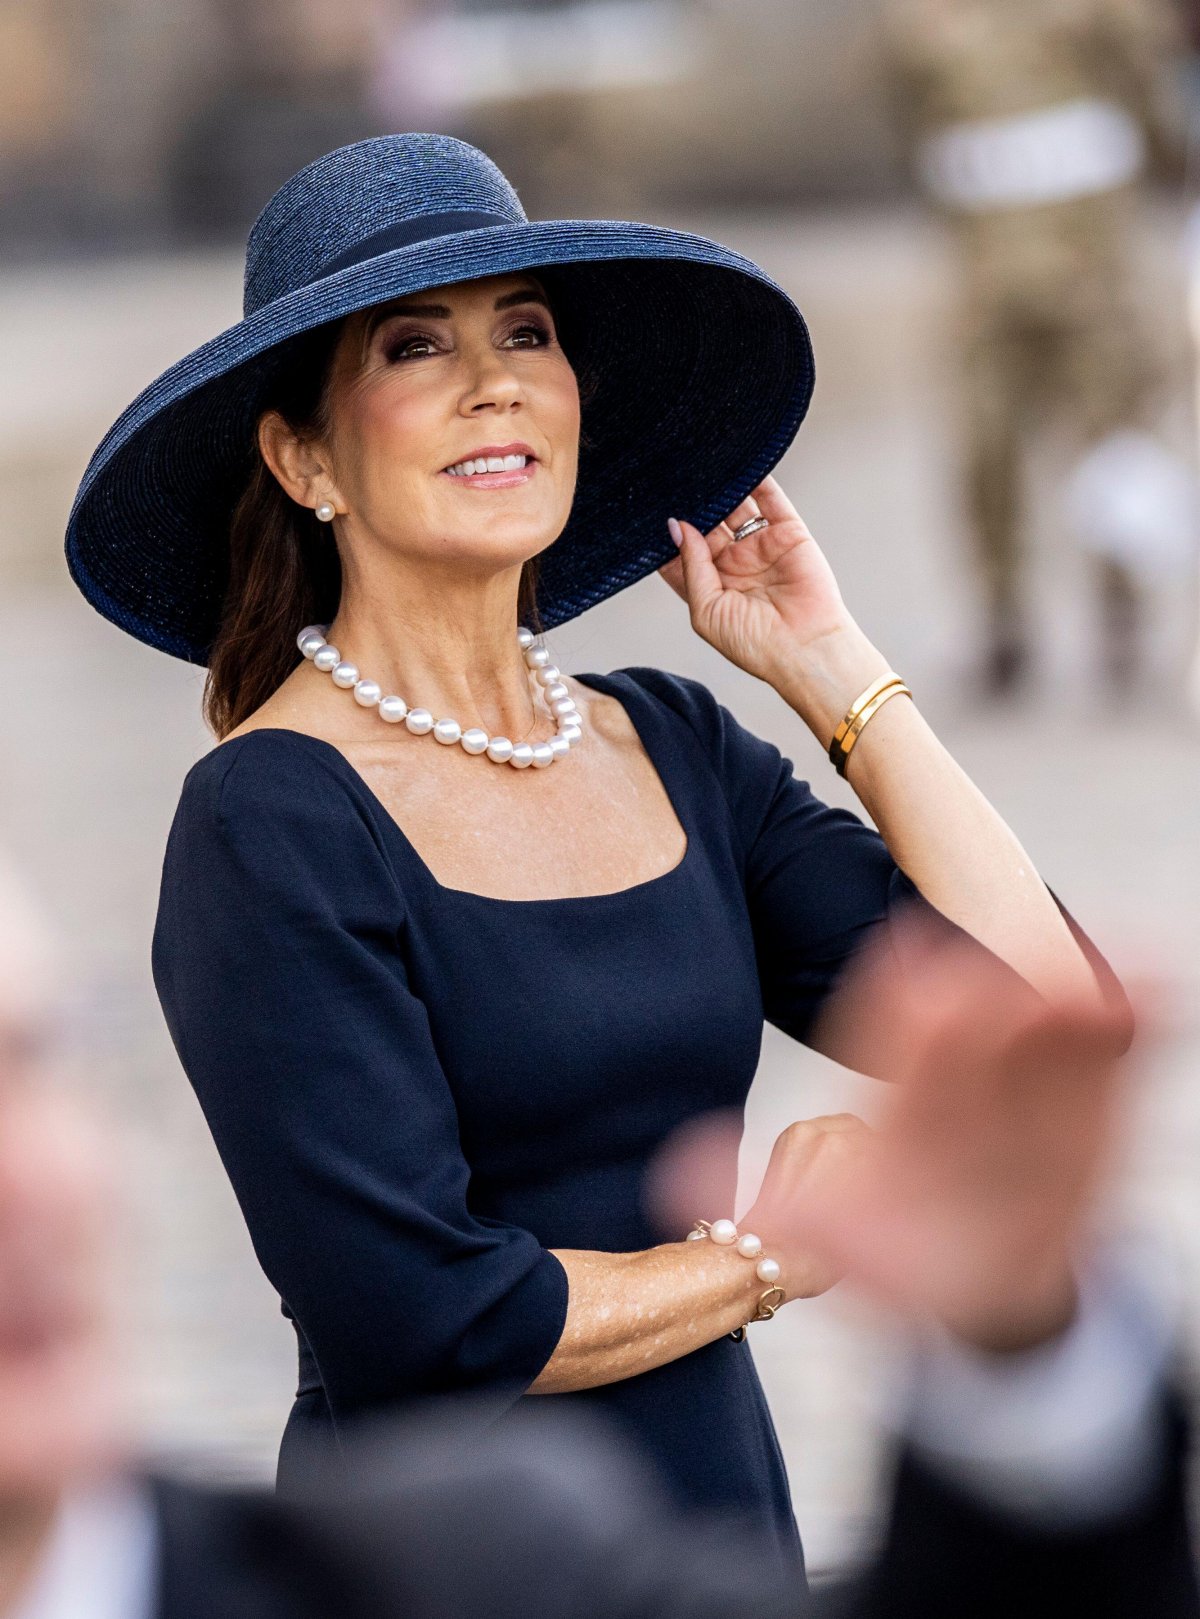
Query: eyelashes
[(538, 329), (397, 349)]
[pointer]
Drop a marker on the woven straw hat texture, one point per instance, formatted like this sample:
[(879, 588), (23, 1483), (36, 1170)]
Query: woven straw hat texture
[(701, 367)]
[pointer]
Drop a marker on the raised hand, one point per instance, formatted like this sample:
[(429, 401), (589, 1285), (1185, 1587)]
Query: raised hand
[(762, 599)]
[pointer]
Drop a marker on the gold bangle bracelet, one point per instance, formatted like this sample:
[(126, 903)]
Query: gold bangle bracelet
[(864, 708)]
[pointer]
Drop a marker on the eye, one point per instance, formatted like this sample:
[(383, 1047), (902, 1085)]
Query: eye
[(399, 350), (537, 329)]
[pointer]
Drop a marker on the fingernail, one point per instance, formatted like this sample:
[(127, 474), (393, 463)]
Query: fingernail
[(675, 530)]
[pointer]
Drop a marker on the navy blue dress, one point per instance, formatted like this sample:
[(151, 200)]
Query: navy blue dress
[(418, 1091)]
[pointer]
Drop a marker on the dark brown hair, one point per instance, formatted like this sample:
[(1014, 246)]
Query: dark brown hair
[(284, 570)]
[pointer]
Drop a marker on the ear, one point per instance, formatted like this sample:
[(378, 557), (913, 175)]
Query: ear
[(297, 463)]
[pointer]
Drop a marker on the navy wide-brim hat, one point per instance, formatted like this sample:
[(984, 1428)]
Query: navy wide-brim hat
[(701, 367)]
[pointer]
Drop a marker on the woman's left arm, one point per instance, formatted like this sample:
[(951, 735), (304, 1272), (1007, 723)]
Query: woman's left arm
[(771, 605)]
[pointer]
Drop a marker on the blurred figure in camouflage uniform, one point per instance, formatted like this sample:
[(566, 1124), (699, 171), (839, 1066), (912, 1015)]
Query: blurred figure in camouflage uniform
[(1032, 123)]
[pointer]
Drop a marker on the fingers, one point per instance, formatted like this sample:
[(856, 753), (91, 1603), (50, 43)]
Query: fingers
[(744, 512), (718, 539), (775, 505), (701, 581)]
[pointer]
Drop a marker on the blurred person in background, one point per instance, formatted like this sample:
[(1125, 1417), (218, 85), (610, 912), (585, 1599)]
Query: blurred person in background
[(445, 977), (1039, 1444), (1032, 125)]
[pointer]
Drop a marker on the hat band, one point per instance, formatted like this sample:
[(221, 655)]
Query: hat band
[(407, 232)]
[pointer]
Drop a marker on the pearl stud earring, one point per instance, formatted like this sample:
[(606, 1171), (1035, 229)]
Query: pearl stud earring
[(325, 512)]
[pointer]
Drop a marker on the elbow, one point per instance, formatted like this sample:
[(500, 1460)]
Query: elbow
[(454, 1332)]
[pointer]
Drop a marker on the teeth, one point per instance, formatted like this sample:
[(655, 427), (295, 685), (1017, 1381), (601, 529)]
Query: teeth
[(491, 463)]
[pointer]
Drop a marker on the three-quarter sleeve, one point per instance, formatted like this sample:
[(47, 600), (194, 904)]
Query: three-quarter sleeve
[(278, 957), (819, 882)]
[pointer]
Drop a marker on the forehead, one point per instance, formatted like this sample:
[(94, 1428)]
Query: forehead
[(492, 292)]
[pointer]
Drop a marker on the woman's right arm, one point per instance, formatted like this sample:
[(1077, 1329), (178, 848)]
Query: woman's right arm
[(628, 1313)]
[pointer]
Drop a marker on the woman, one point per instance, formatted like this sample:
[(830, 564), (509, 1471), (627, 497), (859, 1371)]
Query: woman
[(441, 1016)]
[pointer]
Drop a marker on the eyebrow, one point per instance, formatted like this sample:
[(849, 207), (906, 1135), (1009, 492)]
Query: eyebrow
[(529, 295)]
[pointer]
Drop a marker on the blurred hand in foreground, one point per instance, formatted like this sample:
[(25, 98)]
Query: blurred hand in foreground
[(971, 1200)]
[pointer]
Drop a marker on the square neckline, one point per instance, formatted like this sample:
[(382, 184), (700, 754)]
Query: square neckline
[(600, 683)]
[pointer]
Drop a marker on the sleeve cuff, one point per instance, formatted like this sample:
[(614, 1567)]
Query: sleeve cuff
[(1070, 1433)]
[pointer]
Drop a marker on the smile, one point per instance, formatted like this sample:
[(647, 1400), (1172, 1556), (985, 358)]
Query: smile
[(487, 463), (502, 466)]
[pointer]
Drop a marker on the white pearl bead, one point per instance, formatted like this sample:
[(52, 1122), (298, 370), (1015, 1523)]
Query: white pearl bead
[(767, 1270), (420, 721), (695, 1236), (749, 1246), (723, 1232)]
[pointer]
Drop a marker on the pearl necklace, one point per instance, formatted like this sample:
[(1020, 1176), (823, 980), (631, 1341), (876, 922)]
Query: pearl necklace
[(421, 722)]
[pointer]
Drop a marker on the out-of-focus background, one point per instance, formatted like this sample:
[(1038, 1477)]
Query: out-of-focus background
[(984, 208)]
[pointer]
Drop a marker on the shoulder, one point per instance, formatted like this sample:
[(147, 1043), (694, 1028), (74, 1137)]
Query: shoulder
[(750, 770), (273, 771), (277, 789), (732, 747)]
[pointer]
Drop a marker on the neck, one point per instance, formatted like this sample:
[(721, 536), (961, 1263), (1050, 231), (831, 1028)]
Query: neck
[(26, 1525), (458, 657)]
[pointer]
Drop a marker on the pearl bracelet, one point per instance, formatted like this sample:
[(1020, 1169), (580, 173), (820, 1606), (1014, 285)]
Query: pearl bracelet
[(725, 1234)]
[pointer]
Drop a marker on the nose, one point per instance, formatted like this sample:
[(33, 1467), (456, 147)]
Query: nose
[(492, 380)]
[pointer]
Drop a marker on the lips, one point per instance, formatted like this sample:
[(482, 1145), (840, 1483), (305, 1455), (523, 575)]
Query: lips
[(484, 452)]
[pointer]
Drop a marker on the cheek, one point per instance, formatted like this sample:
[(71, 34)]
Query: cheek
[(399, 426), (393, 433), (560, 405)]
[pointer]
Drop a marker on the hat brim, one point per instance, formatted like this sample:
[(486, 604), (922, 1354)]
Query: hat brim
[(702, 367)]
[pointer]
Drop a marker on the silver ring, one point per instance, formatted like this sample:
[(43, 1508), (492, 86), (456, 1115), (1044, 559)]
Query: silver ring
[(751, 527)]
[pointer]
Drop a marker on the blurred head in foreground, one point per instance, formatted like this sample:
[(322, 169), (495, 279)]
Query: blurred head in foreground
[(61, 1416)]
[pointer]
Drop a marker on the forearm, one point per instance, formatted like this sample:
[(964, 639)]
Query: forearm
[(938, 827), (628, 1313)]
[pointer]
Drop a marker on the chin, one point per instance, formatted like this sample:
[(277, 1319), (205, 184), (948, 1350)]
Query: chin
[(508, 540)]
